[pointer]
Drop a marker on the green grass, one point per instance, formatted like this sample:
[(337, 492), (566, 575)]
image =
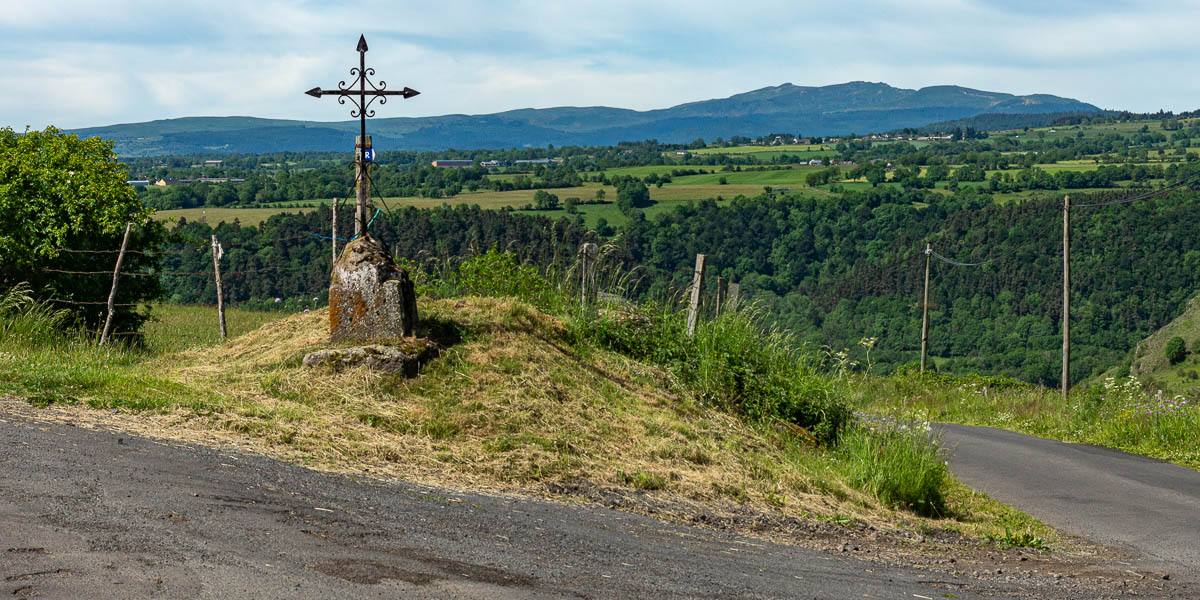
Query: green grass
[(899, 464), (176, 327), (44, 363), (1119, 414)]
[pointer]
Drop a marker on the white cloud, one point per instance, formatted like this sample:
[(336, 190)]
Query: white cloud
[(136, 60)]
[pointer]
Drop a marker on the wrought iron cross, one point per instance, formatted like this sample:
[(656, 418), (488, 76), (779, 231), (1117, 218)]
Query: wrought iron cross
[(361, 104), (362, 109)]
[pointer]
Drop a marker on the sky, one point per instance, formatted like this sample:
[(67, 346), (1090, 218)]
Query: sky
[(99, 62)]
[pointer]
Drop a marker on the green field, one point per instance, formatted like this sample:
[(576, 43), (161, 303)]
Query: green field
[(664, 197), (176, 326), (787, 177), (788, 148), (213, 216)]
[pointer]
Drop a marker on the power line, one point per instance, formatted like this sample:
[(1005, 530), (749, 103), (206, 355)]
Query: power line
[(1146, 196), (963, 264)]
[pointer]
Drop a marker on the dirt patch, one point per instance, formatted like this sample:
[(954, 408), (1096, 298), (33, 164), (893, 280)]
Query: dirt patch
[(373, 572), (370, 572)]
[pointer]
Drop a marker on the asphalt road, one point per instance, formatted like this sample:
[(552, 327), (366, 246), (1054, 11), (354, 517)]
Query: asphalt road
[(1142, 504), (95, 514)]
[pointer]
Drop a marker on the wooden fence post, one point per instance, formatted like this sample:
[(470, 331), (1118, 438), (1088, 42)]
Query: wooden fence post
[(112, 295), (587, 276), (697, 285), (334, 234), (722, 294), (735, 290), (217, 253)]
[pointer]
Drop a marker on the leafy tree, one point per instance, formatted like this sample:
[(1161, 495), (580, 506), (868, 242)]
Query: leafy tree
[(632, 194), (875, 174), (1175, 350), (543, 200), (60, 192)]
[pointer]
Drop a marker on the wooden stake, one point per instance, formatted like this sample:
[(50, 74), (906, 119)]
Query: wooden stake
[(112, 295), (217, 252), (697, 286), (334, 234), (1066, 350), (925, 309), (722, 294), (587, 276), (735, 290), (362, 188)]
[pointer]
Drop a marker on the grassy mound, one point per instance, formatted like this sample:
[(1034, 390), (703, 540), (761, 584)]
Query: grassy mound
[(521, 401), (512, 401)]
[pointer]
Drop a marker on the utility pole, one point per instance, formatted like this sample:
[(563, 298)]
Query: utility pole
[(1066, 318), (925, 308), (363, 153)]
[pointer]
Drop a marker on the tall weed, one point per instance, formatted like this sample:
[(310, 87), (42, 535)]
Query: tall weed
[(730, 362), (897, 463), (26, 322)]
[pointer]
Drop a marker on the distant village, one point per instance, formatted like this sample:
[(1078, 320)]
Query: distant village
[(774, 139), (164, 182)]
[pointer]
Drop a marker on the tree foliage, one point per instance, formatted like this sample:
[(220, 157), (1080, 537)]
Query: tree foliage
[(1175, 350), (61, 192)]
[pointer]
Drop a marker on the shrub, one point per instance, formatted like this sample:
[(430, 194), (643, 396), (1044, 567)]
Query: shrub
[(1175, 350), (498, 274)]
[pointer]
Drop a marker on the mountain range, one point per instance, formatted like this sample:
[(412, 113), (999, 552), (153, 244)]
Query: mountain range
[(860, 107)]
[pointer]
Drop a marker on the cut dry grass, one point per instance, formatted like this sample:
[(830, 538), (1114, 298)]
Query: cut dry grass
[(512, 405)]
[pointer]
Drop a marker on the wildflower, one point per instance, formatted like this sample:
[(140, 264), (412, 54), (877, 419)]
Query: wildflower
[(278, 300)]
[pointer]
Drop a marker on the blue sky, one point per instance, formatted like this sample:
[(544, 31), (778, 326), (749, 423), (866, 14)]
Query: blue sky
[(85, 63)]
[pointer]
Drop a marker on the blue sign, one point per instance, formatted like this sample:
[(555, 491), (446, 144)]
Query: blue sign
[(368, 154)]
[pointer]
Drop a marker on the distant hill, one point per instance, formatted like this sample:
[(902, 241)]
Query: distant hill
[(858, 107)]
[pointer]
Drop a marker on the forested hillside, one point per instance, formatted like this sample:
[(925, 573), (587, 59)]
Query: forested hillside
[(833, 272), (837, 272)]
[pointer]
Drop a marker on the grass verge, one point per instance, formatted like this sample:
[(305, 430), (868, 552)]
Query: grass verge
[(1120, 414)]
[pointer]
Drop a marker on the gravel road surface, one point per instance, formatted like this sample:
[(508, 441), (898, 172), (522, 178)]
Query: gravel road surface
[(1110, 497), (92, 513), (96, 514)]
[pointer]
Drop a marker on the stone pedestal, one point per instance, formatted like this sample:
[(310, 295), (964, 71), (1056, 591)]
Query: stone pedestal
[(370, 298)]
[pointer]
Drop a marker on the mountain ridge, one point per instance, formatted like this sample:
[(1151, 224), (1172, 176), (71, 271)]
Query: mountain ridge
[(857, 106)]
